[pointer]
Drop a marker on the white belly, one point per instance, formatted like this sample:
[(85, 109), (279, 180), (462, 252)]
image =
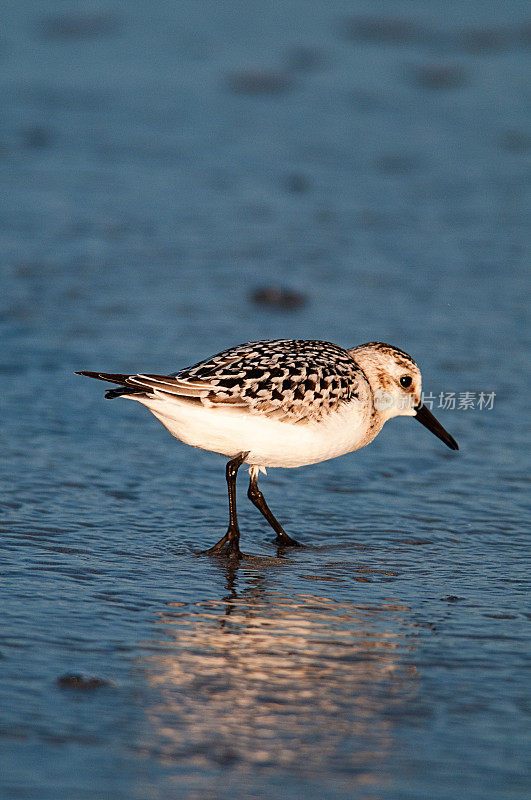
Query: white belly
[(270, 442)]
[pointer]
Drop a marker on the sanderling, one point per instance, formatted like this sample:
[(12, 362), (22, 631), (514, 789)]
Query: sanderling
[(281, 403)]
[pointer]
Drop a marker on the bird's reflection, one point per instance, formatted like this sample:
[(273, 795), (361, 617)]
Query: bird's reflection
[(263, 680)]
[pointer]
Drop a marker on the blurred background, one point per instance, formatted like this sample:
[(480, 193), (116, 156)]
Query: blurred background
[(180, 177)]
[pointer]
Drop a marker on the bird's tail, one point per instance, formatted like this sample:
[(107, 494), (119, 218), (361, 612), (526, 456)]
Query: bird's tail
[(114, 377)]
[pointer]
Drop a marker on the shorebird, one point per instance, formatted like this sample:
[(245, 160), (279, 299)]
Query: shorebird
[(281, 403)]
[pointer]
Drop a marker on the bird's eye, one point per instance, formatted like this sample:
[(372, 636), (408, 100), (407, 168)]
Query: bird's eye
[(405, 381)]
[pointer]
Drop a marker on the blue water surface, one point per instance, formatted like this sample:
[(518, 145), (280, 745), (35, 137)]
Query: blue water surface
[(160, 164)]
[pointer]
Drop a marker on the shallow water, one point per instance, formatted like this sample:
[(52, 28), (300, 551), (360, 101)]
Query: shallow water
[(158, 169)]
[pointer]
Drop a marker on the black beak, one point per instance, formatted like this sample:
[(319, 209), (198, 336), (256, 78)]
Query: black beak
[(428, 420)]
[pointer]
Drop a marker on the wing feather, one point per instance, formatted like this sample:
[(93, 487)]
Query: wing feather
[(290, 380), (171, 385)]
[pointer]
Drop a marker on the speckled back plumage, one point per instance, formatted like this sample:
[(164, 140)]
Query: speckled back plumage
[(291, 379)]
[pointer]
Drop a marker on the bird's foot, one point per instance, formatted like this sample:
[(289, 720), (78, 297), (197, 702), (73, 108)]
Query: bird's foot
[(228, 545), (283, 540), (217, 547)]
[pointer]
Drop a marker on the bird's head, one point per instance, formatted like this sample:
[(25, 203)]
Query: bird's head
[(396, 385)]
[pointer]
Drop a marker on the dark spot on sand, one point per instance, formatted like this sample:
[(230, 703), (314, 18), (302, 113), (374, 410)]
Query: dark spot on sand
[(278, 297), (439, 76), (383, 30), (395, 164), (79, 25), (36, 137), (297, 183), (305, 59), (258, 81), (486, 40), (77, 681), (515, 141)]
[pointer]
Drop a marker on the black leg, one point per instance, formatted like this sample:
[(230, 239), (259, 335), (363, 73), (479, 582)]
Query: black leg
[(232, 537), (257, 498)]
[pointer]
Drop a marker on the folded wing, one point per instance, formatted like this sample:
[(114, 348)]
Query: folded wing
[(285, 379)]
